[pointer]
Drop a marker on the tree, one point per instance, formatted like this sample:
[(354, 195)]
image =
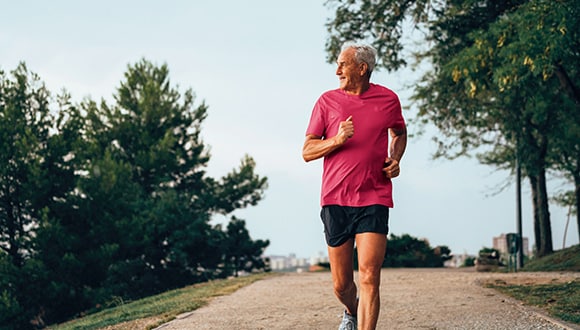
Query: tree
[(24, 132), (478, 94), (511, 71), (151, 140), (241, 253), (36, 176), (159, 138)]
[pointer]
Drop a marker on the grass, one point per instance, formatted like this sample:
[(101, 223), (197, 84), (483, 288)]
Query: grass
[(153, 311), (562, 260), (560, 300)]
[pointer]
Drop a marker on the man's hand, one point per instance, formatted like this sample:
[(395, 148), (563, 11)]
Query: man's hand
[(345, 130), (391, 168)]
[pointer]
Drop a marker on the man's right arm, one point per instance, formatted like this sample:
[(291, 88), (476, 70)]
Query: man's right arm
[(315, 147)]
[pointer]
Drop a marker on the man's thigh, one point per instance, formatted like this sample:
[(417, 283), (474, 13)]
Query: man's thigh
[(341, 262), (371, 248)]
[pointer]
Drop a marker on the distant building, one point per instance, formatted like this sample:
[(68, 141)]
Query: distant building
[(320, 258), (500, 243), (292, 263)]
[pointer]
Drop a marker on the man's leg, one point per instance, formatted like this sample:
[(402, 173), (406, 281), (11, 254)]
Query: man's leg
[(371, 253), (341, 267)]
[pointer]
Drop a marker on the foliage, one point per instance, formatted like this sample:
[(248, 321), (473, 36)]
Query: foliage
[(101, 201), (240, 252), (487, 251), (469, 262), (36, 175), (379, 22), (28, 160), (515, 67)]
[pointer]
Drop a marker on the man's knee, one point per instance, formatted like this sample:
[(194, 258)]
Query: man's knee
[(370, 276), (344, 288)]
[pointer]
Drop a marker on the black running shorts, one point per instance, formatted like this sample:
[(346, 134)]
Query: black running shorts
[(344, 222)]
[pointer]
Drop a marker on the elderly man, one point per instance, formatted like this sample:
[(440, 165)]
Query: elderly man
[(350, 128)]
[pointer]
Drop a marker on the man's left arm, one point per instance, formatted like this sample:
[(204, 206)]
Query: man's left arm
[(396, 151)]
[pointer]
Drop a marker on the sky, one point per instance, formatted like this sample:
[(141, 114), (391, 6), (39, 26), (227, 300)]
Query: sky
[(260, 66)]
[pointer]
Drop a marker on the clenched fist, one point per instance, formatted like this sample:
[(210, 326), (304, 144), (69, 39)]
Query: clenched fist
[(391, 168), (345, 130)]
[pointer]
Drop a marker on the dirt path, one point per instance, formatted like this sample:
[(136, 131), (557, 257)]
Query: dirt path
[(411, 299)]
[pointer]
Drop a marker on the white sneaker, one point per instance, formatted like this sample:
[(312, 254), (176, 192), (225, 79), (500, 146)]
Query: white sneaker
[(348, 322)]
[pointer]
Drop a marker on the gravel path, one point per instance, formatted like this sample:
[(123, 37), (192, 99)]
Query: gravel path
[(410, 299)]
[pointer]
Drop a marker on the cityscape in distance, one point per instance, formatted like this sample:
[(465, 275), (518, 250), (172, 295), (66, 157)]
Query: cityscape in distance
[(292, 263)]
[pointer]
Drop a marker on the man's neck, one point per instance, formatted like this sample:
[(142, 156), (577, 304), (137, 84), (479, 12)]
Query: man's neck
[(359, 90)]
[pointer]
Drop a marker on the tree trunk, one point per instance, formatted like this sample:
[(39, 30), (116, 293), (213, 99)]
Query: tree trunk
[(536, 213), (542, 223), (536, 169), (545, 246)]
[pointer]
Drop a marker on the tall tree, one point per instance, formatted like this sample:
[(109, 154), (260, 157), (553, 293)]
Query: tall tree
[(510, 73), (25, 121), (36, 176), (157, 133)]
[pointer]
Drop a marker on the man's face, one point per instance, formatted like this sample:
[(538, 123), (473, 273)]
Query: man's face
[(350, 74)]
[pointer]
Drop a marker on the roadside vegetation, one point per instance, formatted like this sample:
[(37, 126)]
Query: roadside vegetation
[(150, 312), (560, 300), (563, 260)]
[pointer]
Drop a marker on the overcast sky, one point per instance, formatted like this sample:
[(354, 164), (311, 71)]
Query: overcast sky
[(260, 66)]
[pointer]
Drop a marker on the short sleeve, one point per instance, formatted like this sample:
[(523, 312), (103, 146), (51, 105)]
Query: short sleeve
[(316, 126), (398, 121)]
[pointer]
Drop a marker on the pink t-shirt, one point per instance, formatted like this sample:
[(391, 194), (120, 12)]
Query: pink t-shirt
[(352, 174)]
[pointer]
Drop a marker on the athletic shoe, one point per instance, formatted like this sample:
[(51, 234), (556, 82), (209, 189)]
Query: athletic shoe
[(348, 322)]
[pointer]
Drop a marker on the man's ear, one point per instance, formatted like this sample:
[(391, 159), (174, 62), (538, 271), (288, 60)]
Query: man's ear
[(364, 68)]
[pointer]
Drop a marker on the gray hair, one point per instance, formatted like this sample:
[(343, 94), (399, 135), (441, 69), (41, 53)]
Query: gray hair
[(364, 53)]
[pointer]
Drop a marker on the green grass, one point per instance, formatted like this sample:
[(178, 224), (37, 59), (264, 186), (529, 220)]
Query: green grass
[(560, 300), (562, 260), (162, 307)]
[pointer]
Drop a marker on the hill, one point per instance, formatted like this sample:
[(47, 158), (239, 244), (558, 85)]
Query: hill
[(562, 260)]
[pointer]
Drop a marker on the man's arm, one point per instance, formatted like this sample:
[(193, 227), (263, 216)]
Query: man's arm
[(396, 151), (315, 147)]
